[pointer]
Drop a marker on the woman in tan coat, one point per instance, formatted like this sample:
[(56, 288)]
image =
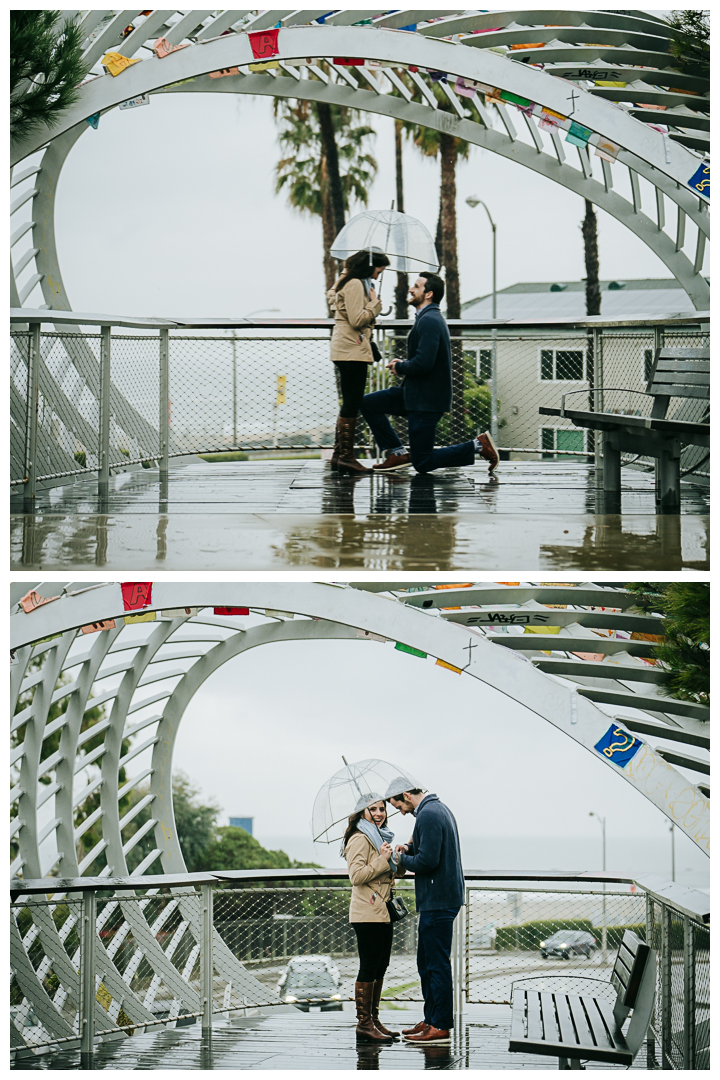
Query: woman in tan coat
[(355, 307), (367, 847)]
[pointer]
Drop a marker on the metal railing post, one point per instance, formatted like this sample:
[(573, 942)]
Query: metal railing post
[(164, 426), (650, 939), (688, 994), (207, 958), (104, 413), (665, 987), (87, 977), (493, 386), (31, 417)]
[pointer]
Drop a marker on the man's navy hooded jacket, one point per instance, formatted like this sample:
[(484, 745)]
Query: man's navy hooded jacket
[(433, 856)]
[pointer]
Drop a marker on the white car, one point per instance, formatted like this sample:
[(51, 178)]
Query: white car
[(309, 981)]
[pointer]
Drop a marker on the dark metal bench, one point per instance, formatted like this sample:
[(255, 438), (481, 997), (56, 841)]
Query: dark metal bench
[(676, 373), (573, 1027)]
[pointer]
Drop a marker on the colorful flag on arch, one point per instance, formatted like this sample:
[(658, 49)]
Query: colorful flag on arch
[(162, 47), (606, 149), (231, 611), (115, 63), (93, 120), (264, 44), (96, 627), (136, 594), (700, 180), (578, 135)]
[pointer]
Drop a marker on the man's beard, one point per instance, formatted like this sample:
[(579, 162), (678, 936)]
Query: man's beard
[(416, 301)]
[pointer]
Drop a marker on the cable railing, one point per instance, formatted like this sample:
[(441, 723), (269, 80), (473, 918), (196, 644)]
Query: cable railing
[(92, 394), (92, 957)]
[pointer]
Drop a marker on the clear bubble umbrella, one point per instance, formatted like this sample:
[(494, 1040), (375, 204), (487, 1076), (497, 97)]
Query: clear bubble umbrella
[(404, 239), (351, 789)]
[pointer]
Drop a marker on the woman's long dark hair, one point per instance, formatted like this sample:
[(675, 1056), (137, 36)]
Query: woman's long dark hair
[(353, 823), (361, 265)]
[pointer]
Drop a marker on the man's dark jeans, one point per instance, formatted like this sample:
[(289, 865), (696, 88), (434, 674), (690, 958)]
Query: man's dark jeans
[(435, 932), (421, 432)]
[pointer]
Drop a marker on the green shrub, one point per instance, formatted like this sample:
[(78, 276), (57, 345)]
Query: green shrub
[(527, 936), (81, 458)]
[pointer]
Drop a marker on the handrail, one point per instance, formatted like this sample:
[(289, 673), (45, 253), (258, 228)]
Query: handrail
[(82, 318), (680, 898)]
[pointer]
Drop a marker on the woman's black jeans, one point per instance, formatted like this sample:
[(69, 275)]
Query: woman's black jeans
[(374, 946), (353, 376)]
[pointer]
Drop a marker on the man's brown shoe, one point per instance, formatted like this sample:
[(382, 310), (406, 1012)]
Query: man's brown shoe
[(395, 461), (489, 450), (422, 1026), (431, 1035)]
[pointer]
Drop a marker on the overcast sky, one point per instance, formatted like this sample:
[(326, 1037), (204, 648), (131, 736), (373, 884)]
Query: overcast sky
[(270, 727), (169, 209)]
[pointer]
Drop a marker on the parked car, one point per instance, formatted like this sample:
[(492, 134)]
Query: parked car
[(567, 943), (311, 982)]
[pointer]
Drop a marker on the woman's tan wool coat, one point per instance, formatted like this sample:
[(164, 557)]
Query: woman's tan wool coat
[(369, 873), (354, 319)]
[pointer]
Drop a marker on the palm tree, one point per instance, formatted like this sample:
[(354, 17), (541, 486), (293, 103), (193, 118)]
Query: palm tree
[(401, 288), (325, 164), (46, 66), (592, 261), (433, 143)]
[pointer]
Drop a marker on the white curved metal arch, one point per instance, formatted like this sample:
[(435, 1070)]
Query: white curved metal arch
[(644, 152), (548, 696)]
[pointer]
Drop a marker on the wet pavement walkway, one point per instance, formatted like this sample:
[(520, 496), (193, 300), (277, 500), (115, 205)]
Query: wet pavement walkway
[(271, 515), (287, 1039)]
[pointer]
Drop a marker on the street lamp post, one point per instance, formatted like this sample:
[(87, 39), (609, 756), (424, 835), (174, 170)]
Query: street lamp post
[(604, 910), (473, 201), (258, 311)]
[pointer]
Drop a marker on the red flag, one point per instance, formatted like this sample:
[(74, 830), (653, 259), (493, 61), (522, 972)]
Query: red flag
[(136, 594), (348, 62), (231, 611), (264, 44)]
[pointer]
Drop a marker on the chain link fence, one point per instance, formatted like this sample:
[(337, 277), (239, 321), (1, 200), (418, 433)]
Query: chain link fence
[(154, 956), (278, 390), (548, 937)]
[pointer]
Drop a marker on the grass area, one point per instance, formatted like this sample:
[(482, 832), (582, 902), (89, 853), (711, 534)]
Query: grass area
[(399, 989), (241, 455)]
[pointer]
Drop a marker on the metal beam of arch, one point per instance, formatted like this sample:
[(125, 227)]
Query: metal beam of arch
[(644, 149), (549, 697)]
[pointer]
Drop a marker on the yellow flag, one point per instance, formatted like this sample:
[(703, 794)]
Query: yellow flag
[(280, 398), (450, 667), (265, 66), (114, 62), (149, 616)]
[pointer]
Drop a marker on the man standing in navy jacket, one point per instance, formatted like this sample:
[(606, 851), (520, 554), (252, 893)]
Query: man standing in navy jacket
[(424, 394), (433, 856)]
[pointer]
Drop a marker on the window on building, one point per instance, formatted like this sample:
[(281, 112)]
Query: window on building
[(481, 359), (563, 365), (552, 439)]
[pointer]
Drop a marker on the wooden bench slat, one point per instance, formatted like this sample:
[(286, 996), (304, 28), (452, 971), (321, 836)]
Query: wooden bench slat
[(689, 354), (682, 378), (567, 1031), (584, 1034), (679, 390), (603, 1037), (534, 1016), (623, 970), (683, 365), (626, 957), (551, 1030), (519, 1002)]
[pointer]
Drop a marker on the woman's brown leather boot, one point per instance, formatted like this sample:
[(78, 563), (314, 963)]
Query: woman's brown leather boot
[(377, 994), (366, 1030), (336, 448), (347, 462)]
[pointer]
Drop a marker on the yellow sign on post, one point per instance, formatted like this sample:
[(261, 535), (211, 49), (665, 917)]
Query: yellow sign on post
[(280, 398)]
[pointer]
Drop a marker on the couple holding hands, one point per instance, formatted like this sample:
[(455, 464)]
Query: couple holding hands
[(433, 856)]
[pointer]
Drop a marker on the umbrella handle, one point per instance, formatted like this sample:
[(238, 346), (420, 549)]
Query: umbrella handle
[(388, 312)]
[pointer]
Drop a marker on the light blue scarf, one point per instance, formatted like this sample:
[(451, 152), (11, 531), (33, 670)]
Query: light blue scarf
[(377, 836)]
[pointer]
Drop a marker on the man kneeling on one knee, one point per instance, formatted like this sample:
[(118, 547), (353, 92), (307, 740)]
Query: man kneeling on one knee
[(424, 394)]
